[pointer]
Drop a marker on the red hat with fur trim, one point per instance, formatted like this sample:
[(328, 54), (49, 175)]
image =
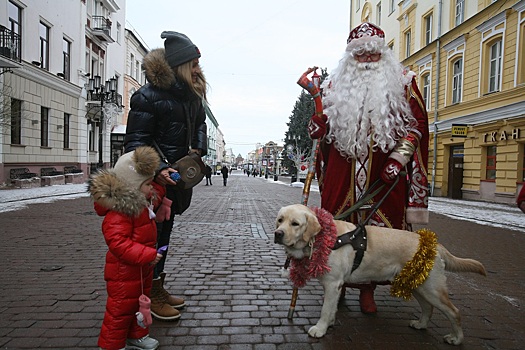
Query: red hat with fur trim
[(365, 30), (366, 36)]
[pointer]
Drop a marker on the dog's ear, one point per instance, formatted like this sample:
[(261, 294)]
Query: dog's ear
[(312, 226)]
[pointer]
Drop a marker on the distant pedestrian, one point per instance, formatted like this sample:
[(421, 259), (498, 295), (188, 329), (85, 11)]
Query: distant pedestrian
[(521, 199), (124, 195), (208, 174), (224, 172)]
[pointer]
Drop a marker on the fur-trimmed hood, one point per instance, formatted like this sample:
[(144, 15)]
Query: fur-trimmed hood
[(111, 193), (157, 69)]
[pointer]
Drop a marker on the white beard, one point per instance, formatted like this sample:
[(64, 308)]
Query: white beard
[(364, 100)]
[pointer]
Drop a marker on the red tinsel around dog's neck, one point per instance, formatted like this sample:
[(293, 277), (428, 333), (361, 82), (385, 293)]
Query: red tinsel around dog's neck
[(304, 269)]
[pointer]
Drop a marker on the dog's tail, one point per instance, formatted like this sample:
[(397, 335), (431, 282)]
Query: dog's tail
[(455, 264)]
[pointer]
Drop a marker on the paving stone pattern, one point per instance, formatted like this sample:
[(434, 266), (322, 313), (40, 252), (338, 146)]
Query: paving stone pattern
[(223, 261)]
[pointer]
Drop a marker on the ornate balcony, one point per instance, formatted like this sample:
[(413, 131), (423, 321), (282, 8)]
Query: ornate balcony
[(101, 27), (10, 44)]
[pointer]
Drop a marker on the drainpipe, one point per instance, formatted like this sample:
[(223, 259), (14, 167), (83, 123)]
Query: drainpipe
[(436, 96)]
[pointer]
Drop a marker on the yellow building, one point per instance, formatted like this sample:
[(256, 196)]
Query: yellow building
[(469, 56)]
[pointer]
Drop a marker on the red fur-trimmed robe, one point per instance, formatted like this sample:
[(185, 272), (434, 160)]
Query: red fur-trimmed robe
[(408, 202)]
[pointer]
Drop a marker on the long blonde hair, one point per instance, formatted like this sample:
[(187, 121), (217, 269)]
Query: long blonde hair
[(183, 72)]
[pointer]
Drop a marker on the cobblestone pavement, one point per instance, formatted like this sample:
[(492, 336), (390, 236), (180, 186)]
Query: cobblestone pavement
[(223, 261)]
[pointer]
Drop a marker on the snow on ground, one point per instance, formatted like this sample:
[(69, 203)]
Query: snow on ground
[(15, 199), (484, 213)]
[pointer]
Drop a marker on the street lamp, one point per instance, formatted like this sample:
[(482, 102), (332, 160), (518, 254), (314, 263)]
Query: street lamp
[(295, 154), (104, 94)]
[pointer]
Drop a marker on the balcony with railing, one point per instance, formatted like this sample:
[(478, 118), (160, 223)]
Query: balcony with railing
[(10, 48), (101, 27)]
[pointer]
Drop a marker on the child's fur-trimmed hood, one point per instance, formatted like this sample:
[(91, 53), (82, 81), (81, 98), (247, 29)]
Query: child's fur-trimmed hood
[(118, 189), (112, 193)]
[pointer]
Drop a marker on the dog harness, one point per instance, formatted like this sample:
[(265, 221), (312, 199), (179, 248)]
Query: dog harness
[(357, 238)]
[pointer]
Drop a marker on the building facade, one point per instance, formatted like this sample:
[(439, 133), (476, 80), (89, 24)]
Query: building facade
[(52, 113), (469, 60)]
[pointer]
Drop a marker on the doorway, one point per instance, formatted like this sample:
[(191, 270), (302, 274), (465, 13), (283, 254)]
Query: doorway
[(455, 172)]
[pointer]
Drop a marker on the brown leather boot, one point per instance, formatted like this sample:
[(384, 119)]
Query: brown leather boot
[(177, 303), (160, 309)]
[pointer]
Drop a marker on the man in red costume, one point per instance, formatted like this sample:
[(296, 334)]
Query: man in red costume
[(375, 127)]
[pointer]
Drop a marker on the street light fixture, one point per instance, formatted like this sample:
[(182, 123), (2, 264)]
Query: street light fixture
[(104, 94)]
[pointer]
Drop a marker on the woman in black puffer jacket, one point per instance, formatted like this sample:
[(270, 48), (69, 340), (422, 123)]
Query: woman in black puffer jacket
[(168, 111)]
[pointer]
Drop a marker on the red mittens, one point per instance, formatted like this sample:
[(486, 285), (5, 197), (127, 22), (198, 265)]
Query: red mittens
[(164, 211), (317, 126), (391, 170)]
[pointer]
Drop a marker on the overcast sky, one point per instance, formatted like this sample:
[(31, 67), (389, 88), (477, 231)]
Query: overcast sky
[(253, 53)]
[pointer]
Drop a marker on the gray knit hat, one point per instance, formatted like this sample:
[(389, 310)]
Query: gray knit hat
[(179, 48)]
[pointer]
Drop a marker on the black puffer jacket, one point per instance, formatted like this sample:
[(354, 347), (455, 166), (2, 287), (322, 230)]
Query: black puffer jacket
[(159, 111)]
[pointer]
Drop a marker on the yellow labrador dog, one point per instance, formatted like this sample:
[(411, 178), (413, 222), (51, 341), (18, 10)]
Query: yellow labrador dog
[(387, 252)]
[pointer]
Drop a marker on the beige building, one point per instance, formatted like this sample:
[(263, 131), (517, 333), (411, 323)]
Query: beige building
[(469, 59)]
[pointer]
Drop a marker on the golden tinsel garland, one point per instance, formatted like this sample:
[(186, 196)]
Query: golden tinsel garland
[(416, 271)]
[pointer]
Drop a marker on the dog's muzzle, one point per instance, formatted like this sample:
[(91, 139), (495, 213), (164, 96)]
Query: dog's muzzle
[(278, 236)]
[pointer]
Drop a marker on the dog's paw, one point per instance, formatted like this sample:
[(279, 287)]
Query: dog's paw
[(452, 339), (418, 324), (316, 331), (285, 273)]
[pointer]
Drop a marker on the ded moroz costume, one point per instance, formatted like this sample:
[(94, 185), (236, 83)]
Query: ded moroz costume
[(375, 127)]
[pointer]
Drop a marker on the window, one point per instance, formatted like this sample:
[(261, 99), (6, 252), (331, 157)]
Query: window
[(428, 29), (426, 90), (66, 51), (490, 169), (91, 128), (495, 67), (392, 6), (44, 46), (357, 4), (44, 126), (67, 119), (459, 13), (15, 25), (523, 162), (137, 71), (119, 32), (131, 63), (457, 80), (520, 67), (16, 121), (408, 38), (378, 14)]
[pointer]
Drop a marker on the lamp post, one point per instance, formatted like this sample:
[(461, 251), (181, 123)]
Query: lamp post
[(104, 94), (265, 150), (295, 154)]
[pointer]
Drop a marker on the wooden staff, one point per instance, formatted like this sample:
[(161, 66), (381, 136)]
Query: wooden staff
[(315, 91)]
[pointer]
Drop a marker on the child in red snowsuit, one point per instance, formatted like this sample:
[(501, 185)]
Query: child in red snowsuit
[(124, 195)]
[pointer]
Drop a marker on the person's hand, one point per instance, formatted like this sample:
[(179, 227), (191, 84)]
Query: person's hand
[(391, 170), (317, 126), (164, 211), (196, 150), (163, 177), (157, 259)]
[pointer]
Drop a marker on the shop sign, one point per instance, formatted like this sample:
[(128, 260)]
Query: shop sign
[(459, 130), (503, 135)]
